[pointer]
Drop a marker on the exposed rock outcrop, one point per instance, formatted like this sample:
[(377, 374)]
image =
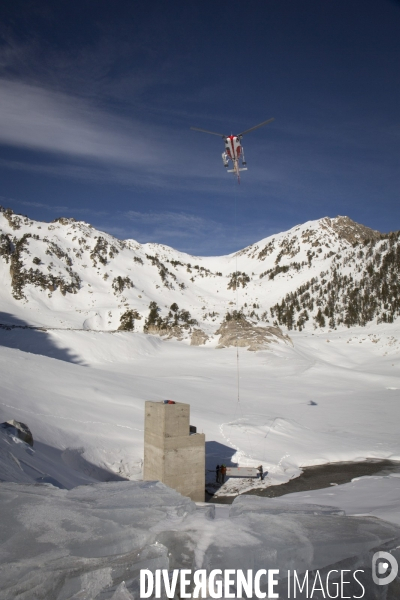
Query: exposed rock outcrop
[(241, 332), (198, 338), (19, 430), (353, 232), (166, 331)]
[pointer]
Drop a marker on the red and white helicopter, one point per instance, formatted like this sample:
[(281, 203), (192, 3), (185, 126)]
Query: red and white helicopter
[(233, 148)]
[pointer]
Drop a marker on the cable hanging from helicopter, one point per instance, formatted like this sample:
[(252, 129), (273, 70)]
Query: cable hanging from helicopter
[(233, 148)]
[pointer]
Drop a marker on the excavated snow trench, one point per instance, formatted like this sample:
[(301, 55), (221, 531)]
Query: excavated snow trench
[(320, 477)]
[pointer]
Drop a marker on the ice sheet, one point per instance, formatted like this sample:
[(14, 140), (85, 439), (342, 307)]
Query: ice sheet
[(92, 541)]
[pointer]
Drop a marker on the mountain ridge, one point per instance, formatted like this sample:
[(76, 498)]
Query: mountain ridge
[(331, 272)]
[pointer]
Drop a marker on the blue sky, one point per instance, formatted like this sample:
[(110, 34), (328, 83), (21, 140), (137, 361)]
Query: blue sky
[(97, 99)]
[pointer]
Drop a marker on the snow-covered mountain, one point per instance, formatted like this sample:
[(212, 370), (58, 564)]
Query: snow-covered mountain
[(332, 396), (324, 273)]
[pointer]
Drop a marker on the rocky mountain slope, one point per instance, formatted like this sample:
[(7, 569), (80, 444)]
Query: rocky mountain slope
[(326, 273)]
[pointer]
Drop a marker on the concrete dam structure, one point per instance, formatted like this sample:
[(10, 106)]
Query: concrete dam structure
[(172, 454)]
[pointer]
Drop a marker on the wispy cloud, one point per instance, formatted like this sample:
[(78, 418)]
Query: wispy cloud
[(63, 208), (183, 231), (72, 138), (180, 220), (40, 119), (178, 229), (44, 206), (63, 169)]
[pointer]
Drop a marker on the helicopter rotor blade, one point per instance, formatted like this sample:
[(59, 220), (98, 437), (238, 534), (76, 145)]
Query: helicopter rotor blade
[(256, 127), (206, 131)]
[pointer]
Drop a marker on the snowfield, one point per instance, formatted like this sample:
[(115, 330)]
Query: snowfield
[(330, 397), (325, 395)]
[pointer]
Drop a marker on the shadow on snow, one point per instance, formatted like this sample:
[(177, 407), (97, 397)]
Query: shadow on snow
[(217, 454), (17, 334)]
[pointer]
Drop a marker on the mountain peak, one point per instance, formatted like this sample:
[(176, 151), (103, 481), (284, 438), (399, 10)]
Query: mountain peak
[(351, 231)]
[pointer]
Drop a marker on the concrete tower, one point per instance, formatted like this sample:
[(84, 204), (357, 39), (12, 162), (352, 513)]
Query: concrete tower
[(171, 453)]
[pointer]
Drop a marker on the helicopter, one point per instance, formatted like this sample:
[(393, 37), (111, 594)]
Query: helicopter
[(233, 148)]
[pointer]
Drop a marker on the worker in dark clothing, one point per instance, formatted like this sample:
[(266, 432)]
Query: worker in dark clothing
[(217, 473), (260, 473), (223, 473)]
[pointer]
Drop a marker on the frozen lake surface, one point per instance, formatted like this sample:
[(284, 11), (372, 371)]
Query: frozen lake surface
[(92, 541)]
